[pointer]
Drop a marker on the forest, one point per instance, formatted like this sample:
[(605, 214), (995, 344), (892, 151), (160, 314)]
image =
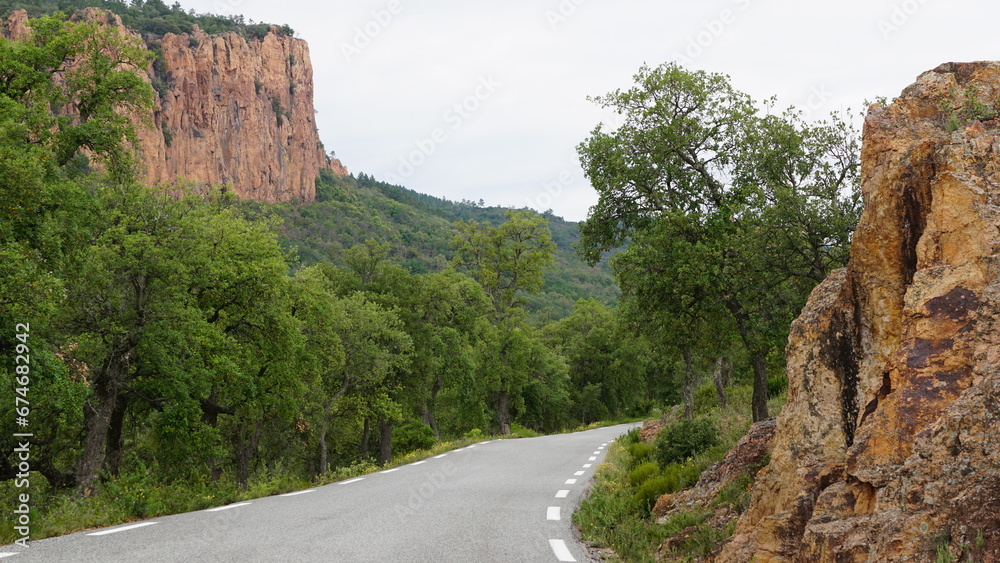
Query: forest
[(191, 341)]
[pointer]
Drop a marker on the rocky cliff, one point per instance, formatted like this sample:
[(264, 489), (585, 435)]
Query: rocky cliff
[(889, 446), (229, 111)]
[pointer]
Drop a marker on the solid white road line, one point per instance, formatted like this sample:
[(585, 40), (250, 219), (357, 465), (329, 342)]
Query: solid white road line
[(553, 513), (561, 551), (227, 507), (570, 481), (562, 493), (298, 493), (578, 473), (121, 529), (348, 482)]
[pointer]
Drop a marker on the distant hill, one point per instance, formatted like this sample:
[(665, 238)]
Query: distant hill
[(420, 228)]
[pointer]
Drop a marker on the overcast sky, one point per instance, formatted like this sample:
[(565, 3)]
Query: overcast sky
[(488, 100)]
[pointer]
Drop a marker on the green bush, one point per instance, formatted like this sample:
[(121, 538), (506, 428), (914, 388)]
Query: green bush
[(684, 439), (412, 436), (475, 434), (642, 473), (673, 478), (705, 398), (777, 385), (630, 437), (639, 452)]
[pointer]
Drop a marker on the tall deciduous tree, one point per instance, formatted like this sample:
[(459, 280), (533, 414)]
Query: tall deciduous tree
[(507, 260), (726, 211)]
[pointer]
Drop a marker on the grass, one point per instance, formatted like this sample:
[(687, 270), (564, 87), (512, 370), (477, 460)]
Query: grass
[(616, 514)]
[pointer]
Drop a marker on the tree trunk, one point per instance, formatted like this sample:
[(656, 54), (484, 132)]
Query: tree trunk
[(366, 435), (503, 412), (427, 416), (385, 451), (759, 401), (97, 415), (245, 443), (689, 382), (721, 375), (115, 447), (324, 458)]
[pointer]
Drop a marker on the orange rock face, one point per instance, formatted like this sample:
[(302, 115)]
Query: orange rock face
[(889, 446), (236, 112)]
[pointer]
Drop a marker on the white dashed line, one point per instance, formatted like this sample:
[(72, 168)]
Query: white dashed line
[(486, 442), (570, 481), (578, 473), (600, 448), (439, 456), (553, 513), (562, 493), (419, 462), (390, 470), (586, 465), (227, 507), (561, 551), (592, 459), (604, 444), (351, 481), (472, 446), (2, 555), (598, 452), (298, 493), (122, 529)]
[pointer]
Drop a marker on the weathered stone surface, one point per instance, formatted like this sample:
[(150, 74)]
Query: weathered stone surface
[(236, 111), (890, 442), (651, 429)]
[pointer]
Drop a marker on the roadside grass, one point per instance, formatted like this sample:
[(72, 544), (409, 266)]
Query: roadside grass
[(616, 512), (139, 495)]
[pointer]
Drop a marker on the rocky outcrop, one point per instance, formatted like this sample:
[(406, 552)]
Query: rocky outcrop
[(889, 446), (230, 111)]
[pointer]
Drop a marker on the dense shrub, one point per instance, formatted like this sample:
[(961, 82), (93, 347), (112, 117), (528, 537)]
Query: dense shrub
[(685, 438), (639, 452), (642, 473), (412, 436)]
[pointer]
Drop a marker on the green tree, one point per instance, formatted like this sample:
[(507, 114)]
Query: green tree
[(728, 214), (506, 260)]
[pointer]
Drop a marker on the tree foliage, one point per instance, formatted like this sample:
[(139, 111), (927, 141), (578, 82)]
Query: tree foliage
[(732, 216)]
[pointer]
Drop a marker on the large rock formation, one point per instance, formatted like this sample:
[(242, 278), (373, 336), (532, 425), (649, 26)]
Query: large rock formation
[(889, 446), (231, 111)]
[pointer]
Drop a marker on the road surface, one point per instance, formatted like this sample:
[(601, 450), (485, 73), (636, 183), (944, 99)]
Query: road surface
[(497, 501)]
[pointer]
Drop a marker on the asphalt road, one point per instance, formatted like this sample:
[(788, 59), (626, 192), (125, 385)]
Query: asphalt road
[(502, 501)]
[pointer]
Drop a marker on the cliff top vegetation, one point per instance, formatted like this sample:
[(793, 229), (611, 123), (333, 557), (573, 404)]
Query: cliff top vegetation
[(149, 17)]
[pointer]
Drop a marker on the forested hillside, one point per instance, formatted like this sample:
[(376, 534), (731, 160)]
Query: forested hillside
[(420, 229)]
